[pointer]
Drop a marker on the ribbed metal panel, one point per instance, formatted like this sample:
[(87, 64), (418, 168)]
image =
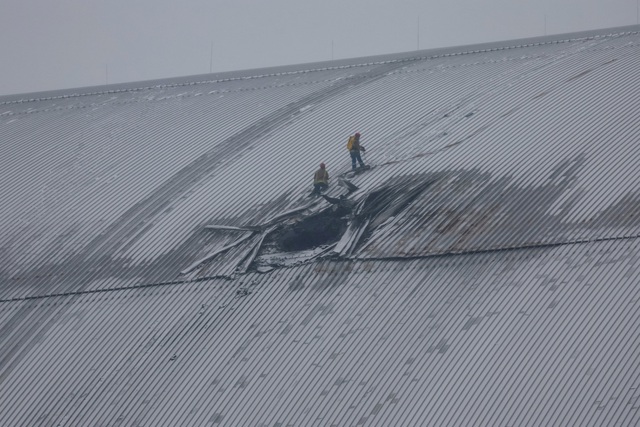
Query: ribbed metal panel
[(523, 337), (483, 273)]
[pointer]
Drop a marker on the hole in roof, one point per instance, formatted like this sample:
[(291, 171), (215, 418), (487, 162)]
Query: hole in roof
[(323, 229)]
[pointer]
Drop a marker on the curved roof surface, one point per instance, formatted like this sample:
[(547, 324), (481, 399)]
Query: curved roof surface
[(162, 261)]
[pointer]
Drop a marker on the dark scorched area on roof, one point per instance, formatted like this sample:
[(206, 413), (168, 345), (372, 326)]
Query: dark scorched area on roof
[(428, 214)]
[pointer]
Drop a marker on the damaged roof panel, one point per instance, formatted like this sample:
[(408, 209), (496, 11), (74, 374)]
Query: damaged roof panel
[(519, 122)]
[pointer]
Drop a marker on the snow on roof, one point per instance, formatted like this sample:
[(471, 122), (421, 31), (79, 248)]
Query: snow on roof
[(162, 261)]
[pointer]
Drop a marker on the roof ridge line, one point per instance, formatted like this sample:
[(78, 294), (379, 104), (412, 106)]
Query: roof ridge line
[(311, 70)]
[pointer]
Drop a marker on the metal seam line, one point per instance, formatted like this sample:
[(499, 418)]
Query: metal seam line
[(343, 259)]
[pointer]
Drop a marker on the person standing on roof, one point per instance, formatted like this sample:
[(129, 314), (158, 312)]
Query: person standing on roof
[(354, 148), (320, 179)]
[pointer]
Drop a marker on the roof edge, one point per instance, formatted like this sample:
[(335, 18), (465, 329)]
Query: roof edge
[(312, 66)]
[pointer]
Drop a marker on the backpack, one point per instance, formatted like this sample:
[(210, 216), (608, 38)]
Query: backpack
[(350, 143)]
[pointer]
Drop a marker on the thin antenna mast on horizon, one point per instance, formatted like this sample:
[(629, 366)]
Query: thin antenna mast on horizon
[(418, 37), (211, 59)]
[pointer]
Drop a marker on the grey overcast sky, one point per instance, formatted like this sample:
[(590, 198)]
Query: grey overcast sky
[(56, 44)]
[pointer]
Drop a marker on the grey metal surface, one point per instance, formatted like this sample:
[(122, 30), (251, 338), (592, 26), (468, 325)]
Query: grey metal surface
[(161, 262), (528, 337)]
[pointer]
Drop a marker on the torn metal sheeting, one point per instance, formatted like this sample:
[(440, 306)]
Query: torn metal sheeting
[(246, 263), (231, 228), (351, 238), (212, 255), (291, 213)]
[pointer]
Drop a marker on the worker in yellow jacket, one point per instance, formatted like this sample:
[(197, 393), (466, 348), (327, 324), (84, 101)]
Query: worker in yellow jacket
[(354, 147), (321, 179)]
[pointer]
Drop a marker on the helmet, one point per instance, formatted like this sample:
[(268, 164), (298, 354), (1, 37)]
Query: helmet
[(322, 166)]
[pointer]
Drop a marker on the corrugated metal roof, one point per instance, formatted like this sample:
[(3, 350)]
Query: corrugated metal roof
[(529, 337), (482, 273)]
